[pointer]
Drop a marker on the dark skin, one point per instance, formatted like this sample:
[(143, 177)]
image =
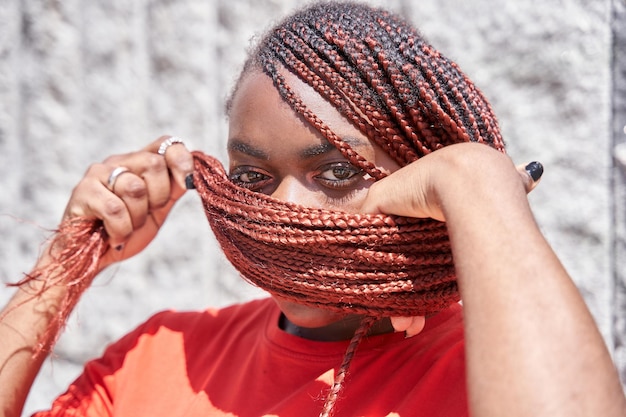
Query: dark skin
[(532, 347), (308, 171)]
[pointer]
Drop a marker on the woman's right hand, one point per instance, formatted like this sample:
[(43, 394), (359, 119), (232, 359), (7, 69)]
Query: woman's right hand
[(135, 204), (132, 206)]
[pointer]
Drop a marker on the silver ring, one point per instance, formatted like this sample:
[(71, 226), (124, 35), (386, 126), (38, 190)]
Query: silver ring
[(114, 175), (167, 143)]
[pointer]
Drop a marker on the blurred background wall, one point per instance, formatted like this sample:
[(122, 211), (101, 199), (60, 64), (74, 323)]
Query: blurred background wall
[(82, 80)]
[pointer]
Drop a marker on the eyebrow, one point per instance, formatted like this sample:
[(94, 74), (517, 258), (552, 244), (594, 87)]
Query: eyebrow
[(325, 147), (236, 145)]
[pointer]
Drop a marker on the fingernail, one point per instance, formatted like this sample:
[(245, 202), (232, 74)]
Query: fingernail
[(189, 182), (119, 247), (535, 170)]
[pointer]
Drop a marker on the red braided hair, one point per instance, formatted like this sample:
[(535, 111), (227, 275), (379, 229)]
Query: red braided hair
[(370, 264), (401, 93)]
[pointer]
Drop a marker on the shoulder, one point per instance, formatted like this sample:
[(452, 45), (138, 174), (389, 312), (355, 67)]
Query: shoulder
[(235, 315), (173, 327), (162, 354)]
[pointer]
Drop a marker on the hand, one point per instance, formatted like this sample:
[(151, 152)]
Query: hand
[(411, 192), (136, 205)]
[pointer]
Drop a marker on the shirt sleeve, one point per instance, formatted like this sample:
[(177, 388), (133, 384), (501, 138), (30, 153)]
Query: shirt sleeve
[(92, 393)]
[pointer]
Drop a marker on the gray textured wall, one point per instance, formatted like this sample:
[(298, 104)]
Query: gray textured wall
[(80, 80), (618, 233)]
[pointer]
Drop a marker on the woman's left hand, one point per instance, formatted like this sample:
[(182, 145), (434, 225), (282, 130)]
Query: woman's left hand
[(410, 192)]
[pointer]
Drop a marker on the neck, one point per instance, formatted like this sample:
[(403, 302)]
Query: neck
[(334, 332)]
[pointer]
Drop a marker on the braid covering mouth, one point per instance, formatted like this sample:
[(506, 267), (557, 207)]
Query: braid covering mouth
[(371, 264)]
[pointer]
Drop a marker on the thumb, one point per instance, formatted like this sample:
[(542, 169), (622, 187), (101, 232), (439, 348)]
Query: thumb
[(530, 174), (411, 326)]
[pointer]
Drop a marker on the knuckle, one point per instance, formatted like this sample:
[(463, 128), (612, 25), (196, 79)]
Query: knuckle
[(182, 158), (135, 188), (114, 208), (74, 210), (159, 202), (78, 204), (155, 162)]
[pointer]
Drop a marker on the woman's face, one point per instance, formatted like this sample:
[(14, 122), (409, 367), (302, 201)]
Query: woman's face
[(274, 151)]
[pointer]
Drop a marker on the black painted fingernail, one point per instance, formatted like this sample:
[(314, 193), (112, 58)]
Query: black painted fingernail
[(535, 170), (119, 247), (189, 182)]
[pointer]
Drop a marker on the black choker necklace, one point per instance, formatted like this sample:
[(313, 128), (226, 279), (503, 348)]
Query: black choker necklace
[(342, 330)]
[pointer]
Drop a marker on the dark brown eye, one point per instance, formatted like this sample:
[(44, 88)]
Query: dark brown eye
[(342, 173), (339, 174), (248, 177), (251, 176)]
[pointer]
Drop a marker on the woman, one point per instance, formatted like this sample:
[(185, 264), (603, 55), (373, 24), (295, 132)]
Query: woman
[(340, 111)]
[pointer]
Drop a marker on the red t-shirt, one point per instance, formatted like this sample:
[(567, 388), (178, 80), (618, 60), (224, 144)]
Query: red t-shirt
[(237, 362)]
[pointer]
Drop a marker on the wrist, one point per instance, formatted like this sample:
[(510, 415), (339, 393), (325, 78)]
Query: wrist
[(472, 179)]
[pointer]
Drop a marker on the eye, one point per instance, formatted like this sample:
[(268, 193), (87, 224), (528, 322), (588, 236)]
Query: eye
[(339, 175), (248, 177)]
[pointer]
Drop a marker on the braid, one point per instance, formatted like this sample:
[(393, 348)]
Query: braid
[(400, 92), (410, 100), (368, 264), (374, 265), (382, 75), (337, 387)]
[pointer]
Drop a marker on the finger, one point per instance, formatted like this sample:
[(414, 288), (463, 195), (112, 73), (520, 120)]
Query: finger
[(411, 326), (178, 160), (145, 186), (531, 174), (91, 198), (400, 324), (133, 191)]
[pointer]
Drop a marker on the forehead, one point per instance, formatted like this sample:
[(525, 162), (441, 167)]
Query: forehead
[(258, 109), (262, 122)]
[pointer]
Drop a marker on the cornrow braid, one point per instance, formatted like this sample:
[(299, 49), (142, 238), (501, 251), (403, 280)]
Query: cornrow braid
[(400, 92), (374, 265), (382, 75)]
